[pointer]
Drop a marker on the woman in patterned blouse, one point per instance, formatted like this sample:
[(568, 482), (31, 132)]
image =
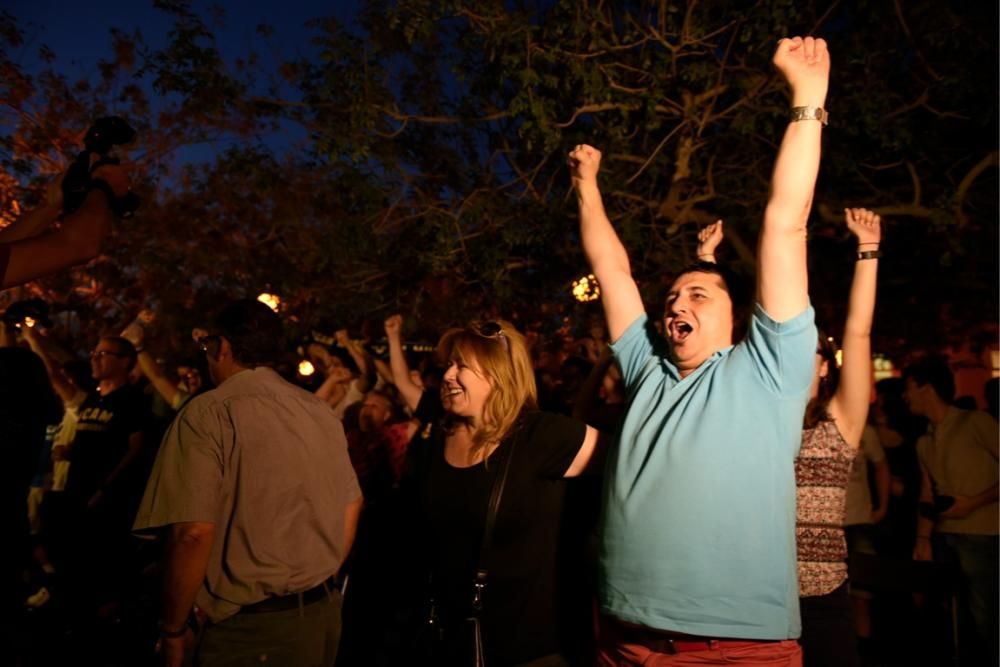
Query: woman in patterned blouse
[(834, 421)]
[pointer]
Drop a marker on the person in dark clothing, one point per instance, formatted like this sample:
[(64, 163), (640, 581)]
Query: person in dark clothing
[(488, 412)]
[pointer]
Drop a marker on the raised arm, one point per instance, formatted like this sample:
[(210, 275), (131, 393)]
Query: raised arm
[(408, 389), (77, 240), (365, 370), (782, 283), (135, 334), (849, 406), (709, 239), (65, 389), (33, 222), (604, 250)]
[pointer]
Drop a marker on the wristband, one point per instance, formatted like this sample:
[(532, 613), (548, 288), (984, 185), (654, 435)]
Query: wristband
[(869, 254), (173, 634), (809, 113)]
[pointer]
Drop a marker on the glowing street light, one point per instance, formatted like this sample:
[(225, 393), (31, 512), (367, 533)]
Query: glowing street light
[(586, 289), (272, 301), (306, 368), (29, 322)]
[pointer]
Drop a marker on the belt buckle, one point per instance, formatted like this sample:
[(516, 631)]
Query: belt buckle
[(671, 647)]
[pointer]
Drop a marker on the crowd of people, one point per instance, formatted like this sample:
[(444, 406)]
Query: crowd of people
[(671, 491)]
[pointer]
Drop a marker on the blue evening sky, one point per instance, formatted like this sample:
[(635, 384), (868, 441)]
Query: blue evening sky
[(79, 33)]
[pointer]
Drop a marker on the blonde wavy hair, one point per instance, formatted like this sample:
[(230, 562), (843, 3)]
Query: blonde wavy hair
[(503, 359)]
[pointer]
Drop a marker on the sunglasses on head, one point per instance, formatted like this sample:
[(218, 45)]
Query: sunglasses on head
[(212, 340), (493, 330)]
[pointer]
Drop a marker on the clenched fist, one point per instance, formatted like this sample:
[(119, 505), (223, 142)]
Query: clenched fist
[(805, 64), (584, 163)]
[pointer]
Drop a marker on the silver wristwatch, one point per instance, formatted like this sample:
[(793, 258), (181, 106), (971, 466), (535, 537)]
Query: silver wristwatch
[(810, 113)]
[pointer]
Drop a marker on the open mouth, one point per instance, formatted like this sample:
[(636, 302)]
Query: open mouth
[(680, 330)]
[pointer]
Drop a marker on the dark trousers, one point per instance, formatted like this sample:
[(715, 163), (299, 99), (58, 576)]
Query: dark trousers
[(976, 558), (828, 638), (303, 637)]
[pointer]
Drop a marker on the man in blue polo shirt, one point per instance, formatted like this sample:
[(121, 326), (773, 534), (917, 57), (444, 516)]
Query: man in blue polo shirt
[(698, 530)]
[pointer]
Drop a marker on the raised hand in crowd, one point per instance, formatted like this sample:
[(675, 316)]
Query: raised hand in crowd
[(709, 239), (408, 390), (27, 254)]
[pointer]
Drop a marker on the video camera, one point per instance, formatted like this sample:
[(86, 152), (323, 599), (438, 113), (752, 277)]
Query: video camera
[(31, 312), (102, 135)]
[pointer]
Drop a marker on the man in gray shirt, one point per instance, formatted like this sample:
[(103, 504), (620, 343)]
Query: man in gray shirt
[(256, 494)]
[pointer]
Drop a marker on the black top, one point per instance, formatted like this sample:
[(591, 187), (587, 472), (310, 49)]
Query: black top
[(102, 433), (519, 615)]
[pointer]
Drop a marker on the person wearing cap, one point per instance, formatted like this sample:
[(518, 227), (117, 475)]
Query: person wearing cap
[(255, 493)]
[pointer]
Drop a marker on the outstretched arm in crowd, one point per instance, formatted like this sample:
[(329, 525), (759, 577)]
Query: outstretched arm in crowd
[(709, 239), (782, 283), (35, 221), (361, 359), (157, 377), (849, 406), (77, 240), (407, 388), (66, 390), (604, 250)]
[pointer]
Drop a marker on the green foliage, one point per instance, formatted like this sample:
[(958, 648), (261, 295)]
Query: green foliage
[(432, 175)]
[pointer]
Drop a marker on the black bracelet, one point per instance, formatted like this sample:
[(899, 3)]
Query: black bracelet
[(869, 254), (173, 634)]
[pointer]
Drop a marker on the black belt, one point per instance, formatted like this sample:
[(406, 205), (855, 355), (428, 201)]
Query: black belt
[(292, 601)]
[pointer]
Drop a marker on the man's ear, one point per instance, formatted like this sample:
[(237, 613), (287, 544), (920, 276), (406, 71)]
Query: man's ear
[(225, 350)]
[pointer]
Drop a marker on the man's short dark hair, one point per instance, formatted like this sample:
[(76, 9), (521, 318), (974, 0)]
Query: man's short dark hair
[(123, 347), (935, 371), (254, 331)]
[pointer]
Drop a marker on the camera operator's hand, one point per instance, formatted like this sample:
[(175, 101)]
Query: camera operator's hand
[(54, 193), (114, 175)]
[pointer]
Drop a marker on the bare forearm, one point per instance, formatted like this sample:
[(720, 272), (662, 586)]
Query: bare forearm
[(64, 389), (783, 288), (601, 245), (184, 571), (77, 241), (352, 513), (401, 374), (30, 224), (154, 373), (854, 392)]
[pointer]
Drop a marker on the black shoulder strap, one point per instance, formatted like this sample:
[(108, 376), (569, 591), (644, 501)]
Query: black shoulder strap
[(482, 571)]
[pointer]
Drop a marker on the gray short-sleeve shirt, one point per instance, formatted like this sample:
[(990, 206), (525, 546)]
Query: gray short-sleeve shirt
[(267, 463)]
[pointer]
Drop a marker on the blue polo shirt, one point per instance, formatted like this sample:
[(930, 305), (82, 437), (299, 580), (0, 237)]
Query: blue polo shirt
[(698, 523)]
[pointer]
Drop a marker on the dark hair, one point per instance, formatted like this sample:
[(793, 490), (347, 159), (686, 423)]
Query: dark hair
[(26, 394), (125, 348), (935, 371), (736, 287), (816, 411), (254, 331)]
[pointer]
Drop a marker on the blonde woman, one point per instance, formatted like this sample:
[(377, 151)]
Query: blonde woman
[(488, 414)]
